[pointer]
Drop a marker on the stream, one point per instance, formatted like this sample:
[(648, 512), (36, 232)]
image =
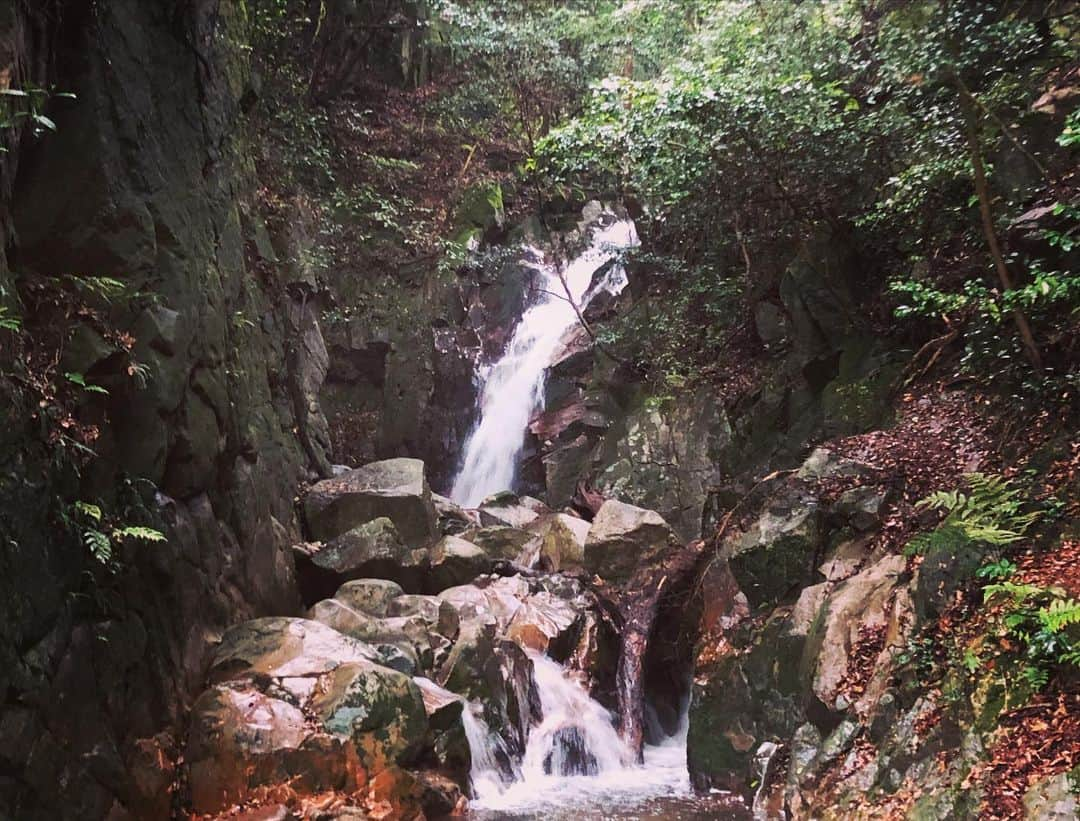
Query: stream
[(575, 764)]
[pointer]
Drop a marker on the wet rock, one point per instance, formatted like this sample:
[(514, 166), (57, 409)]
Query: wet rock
[(395, 488), (447, 745), (621, 538), (440, 796), (562, 541), (279, 647), (497, 674), (452, 519), (241, 739), (379, 709), (740, 699), (508, 510), (393, 646), (453, 561), (569, 754), (494, 604), (511, 544), (371, 550), (439, 615), (371, 596), (544, 620)]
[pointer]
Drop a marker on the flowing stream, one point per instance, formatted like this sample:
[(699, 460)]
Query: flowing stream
[(512, 389), (575, 764)]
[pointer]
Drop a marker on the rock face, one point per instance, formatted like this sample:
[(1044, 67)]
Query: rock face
[(666, 459), (145, 182), (621, 538), (396, 489)]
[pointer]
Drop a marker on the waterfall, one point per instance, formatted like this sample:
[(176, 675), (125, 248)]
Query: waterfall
[(512, 389)]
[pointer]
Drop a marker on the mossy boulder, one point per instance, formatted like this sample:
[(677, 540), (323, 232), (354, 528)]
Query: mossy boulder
[(380, 710), (777, 553)]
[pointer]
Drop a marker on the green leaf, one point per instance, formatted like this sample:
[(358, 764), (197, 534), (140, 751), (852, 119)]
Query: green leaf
[(87, 509)]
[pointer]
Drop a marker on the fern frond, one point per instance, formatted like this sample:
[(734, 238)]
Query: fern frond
[(99, 545), (1019, 593), (145, 534), (1059, 614)]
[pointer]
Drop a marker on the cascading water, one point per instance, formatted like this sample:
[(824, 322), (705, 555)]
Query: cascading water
[(512, 389), (575, 761), (575, 764)]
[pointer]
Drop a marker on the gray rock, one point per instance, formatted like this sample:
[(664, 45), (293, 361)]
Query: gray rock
[(452, 561), (279, 647), (371, 596), (380, 710), (1053, 799), (622, 537), (777, 551), (395, 488)]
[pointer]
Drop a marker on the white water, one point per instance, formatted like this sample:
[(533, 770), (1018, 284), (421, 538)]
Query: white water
[(619, 782), (512, 389)]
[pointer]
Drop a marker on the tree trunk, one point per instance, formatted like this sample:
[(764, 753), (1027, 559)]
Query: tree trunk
[(986, 215)]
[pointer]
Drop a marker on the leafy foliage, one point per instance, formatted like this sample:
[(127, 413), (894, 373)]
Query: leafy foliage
[(990, 512), (1044, 621), (101, 534), (773, 122)]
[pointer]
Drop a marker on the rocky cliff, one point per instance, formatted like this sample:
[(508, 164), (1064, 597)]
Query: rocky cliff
[(206, 360)]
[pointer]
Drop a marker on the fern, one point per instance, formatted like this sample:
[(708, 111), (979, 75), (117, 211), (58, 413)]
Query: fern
[(87, 509), (991, 513), (99, 545), (145, 534), (1019, 593), (1059, 614)]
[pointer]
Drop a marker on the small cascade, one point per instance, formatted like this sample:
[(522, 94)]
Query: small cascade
[(573, 758), (488, 752), (512, 389)]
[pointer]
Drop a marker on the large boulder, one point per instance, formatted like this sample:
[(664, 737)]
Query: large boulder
[(506, 543), (284, 648), (394, 646), (778, 552), (394, 488), (453, 561), (623, 537), (371, 550), (509, 510), (371, 596), (380, 710), (241, 739), (562, 541), (440, 616), (665, 458), (874, 602), (495, 603), (448, 742)]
